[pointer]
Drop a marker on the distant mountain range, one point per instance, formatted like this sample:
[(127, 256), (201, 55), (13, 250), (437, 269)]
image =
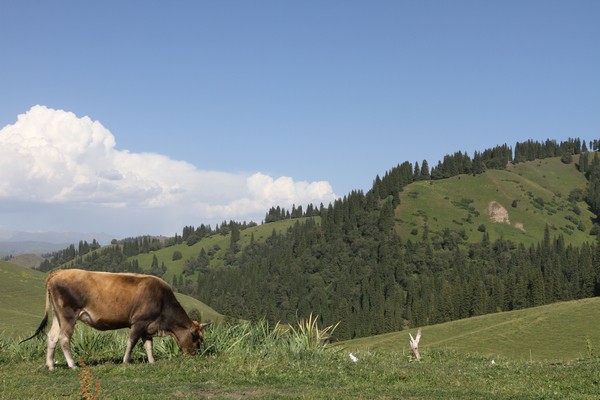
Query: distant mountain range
[(16, 243)]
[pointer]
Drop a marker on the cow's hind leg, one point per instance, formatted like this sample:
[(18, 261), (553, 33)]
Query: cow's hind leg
[(53, 335), (66, 332)]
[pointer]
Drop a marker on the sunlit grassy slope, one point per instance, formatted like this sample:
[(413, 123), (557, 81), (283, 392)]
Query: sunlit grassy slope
[(561, 331), (22, 300), (463, 203)]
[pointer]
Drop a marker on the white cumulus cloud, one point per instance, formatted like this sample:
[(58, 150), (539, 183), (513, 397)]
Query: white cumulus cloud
[(54, 158)]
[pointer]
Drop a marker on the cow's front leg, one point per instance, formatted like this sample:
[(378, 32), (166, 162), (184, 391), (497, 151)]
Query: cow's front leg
[(131, 341), (134, 334), (148, 347)]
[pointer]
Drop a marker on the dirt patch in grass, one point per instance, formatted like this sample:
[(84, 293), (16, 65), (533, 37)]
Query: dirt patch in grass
[(498, 213), (519, 225)]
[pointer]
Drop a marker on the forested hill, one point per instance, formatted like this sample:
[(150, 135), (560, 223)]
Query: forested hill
[(498, 231)]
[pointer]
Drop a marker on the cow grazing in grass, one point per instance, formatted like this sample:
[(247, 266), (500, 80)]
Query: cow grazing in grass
[(106, 301)]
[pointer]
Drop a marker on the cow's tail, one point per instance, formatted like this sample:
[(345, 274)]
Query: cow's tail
[(44, 322)]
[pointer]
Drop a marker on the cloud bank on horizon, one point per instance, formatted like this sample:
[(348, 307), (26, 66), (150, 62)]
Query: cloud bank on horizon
[(56, 168)]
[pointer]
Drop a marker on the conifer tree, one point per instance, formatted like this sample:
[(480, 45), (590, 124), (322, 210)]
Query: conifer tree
[(424, 174)]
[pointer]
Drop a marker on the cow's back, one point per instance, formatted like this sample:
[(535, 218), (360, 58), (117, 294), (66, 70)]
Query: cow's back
[(108, 300)]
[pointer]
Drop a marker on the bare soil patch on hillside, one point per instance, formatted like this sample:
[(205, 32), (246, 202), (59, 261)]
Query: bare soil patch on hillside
[(498, 213)]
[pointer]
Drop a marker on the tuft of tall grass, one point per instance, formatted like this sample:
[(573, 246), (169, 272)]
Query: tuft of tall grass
[(164, 348), (13, 351), (89, 344), (244, 337), (97, 346), (264, 338), (239, 339), (307, 336)]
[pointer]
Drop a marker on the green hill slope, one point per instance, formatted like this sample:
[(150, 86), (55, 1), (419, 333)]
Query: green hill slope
[(22, 300), (515, 203), (561, 331)]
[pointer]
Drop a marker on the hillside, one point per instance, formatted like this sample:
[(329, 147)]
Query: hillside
[(540, 189), (22, 300), (560, 331)]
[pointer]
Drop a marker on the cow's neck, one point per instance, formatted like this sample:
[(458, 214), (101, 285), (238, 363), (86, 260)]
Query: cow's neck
[(179, 324)]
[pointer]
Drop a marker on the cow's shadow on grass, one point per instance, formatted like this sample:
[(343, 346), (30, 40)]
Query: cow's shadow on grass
[(98, 361)]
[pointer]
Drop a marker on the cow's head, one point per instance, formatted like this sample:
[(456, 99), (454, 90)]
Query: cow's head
[(191, 343)]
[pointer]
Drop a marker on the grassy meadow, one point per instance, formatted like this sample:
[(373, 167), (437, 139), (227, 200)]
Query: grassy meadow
[(254, 360), (564, 331), (22, 299)]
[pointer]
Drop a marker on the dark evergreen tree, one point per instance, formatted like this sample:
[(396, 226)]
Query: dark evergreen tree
[(424, 174)]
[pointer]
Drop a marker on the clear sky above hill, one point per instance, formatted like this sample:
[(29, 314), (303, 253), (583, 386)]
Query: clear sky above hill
[(141, 117)]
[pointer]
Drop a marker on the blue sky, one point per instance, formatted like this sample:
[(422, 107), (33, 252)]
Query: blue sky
[(268, 101)]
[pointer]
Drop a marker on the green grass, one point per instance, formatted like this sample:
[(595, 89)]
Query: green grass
[(444, 375), (257, 361), (21, 299), (563, 331), (461, 203)]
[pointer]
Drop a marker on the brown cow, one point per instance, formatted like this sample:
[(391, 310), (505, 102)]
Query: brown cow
[(105, 301)]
